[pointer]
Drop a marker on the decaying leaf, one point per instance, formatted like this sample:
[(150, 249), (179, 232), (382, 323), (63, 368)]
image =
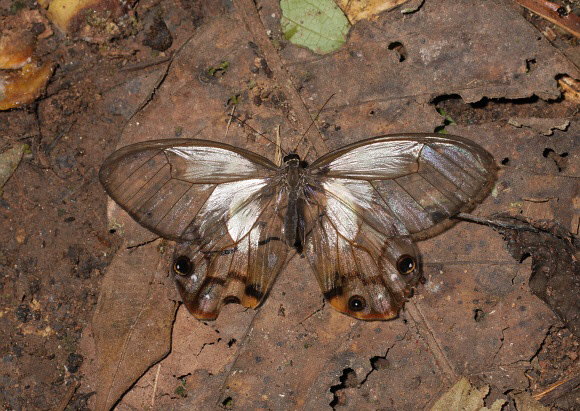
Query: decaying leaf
[(366, 9), (9, 160), (23, 86), (555, 263), (570, 88), (556, 13), (16, 48), (22, 78), (464, 396), (133, 330)]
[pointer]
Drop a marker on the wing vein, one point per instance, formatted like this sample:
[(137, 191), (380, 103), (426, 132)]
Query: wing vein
[(143, 186), (173, 206), (155, 193), (198, 210), (410, 196), (134, 171)]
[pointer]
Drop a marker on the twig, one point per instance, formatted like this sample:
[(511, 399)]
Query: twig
[(68, 396), (557, 389), (144, 64), (554, 13), (497, 223), (230, 120), (155, 385)]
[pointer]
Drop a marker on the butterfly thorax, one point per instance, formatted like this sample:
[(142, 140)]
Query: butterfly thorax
[(294, 218)]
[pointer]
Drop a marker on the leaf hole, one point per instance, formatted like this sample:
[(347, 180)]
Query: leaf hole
[(478, 315), (547, 152), (398, 48), (530, 63), (347, 380), (524, 257), (228, 402), (560, 159)]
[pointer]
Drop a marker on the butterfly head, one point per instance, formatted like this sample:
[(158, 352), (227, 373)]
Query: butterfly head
[(293, 160)]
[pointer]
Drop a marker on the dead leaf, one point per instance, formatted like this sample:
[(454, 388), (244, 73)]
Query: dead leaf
[(295, 351), (555, 266), (71, 16), (545, 126), (23, 86), (366, 9), (555, 13), (9, 160), (464, 396), (132, 321), (570, 88), (16, 48)]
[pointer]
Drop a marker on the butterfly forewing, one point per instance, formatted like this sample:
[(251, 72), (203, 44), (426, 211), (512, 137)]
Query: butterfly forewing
[(163, 184), (437, 177)]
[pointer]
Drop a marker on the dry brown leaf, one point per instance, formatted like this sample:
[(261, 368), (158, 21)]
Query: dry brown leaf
[(464, 396), (295, 348), (357, 10), (16, 49), (132, 321)]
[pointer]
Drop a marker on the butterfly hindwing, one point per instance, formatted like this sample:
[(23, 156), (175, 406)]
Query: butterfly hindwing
[(361, 272), (228, 271)]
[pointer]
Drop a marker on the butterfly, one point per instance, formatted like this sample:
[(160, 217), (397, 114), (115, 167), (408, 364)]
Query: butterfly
[(354, 213)]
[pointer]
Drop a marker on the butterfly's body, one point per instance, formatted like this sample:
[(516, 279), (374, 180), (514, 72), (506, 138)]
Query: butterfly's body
[(354, 213), (294, 185)]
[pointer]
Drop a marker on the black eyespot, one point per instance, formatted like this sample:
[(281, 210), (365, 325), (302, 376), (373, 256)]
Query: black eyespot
[(356, 303), (182, 265), (406, 264)]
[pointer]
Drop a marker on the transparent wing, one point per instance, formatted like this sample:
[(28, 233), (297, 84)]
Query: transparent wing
[(225, 270), (165, 185), (222, 204), (372, 199), (361, 272), (407, 185)]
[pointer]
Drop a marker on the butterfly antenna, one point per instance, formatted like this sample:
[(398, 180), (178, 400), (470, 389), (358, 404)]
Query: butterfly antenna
[(279, 155), (313, 121), (243, 123)]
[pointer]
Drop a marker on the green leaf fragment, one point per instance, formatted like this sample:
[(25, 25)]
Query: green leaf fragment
[(319, 25), (447, 118)]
